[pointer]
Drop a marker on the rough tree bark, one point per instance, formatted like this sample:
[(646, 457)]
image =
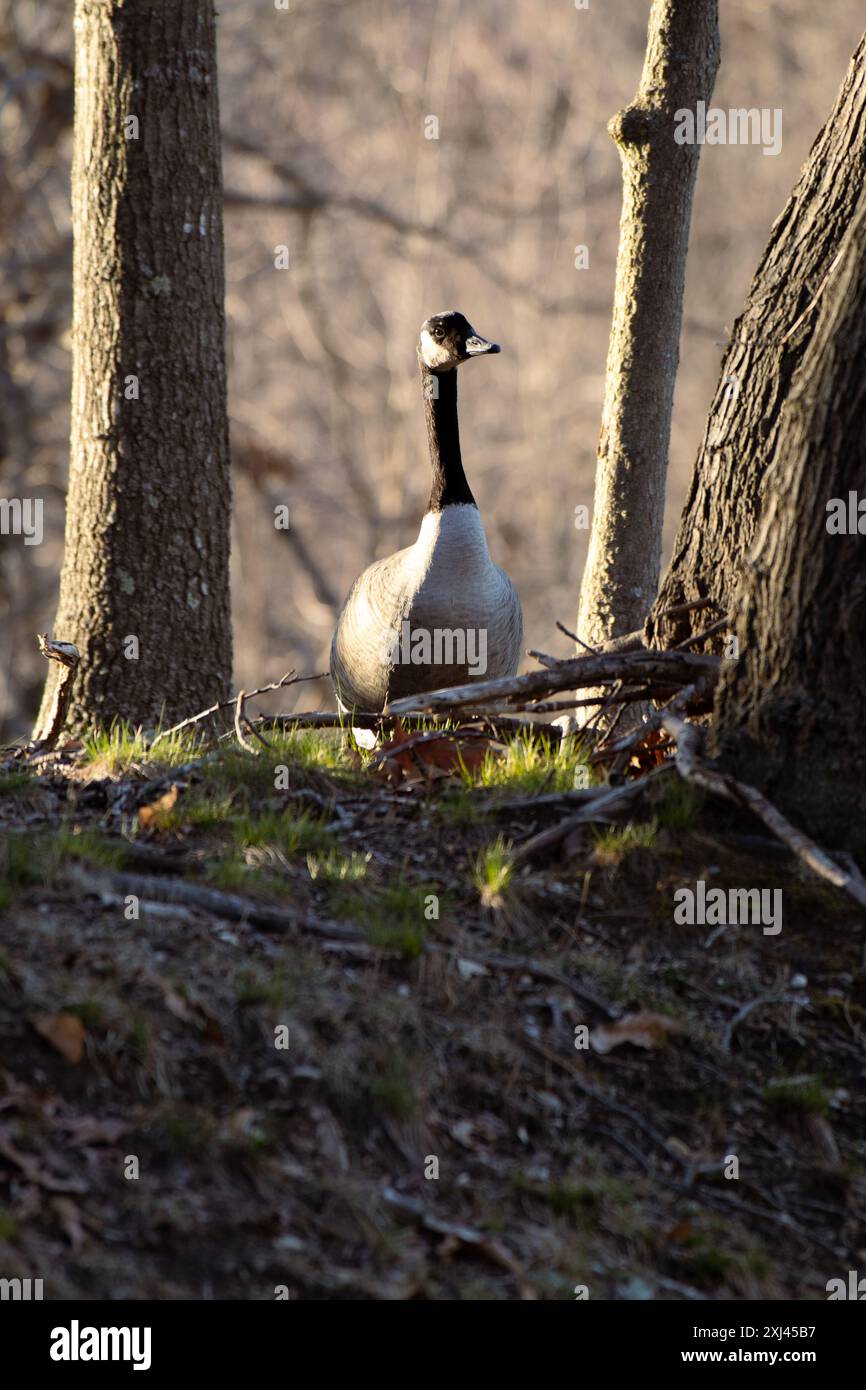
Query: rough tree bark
[(144, 591), (791, 713), (622, 568), (767, 345)]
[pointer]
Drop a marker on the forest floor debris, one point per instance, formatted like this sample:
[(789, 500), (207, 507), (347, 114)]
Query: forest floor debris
[(506, 1075)]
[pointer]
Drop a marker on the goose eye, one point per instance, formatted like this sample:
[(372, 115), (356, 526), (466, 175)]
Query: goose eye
[(439, 333)]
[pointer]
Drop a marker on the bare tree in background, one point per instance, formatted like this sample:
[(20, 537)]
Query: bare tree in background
[(144, 591), (622, 568), (791, 712), (767, 346)]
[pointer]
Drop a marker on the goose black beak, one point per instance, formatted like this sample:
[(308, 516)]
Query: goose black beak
[(477, 345)]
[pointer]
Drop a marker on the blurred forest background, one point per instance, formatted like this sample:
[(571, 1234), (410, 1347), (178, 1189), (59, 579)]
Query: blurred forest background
[(324, 112)]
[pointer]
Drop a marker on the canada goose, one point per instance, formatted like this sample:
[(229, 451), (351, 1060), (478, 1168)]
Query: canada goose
[(440, 612)]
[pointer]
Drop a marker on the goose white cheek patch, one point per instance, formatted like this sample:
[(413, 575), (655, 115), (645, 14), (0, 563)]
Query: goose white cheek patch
[(433, 353)]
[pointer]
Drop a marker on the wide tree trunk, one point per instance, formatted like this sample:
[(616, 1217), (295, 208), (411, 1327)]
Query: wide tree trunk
[(622, 567), (144, 591), (791, 713), (767, 346)]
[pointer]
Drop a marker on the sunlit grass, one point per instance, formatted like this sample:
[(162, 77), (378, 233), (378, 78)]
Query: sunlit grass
[(530, 766), (336, 867), (806, 1094), (121, 747), (197, 812), (613, 843), (492, 871)]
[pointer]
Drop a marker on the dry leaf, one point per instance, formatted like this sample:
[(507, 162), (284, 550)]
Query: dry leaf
[(65, 1032), (186, 1009), (419, 758), (152, 816), (642, 1030), (650, 752)]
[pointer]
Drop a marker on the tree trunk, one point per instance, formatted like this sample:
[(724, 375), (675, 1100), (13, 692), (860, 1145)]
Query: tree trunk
[(144, 591), (622, 567), (767, 346), (791, 712)]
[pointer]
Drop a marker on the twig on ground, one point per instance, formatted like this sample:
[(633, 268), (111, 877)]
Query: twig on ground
[(142, 794), (528, 967), (230, 906), (239, 732), (483, 1244), (606, 1102), (290, 678), (597, 809), (742, 1014), (329, 719), (654, 721)]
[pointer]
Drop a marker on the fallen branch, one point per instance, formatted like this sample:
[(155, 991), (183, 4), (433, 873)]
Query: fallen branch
[(597, 809), (691, 694), (693, 769), (523, 965), (46, 733), (664, 668), (328, 719), (229, 906)]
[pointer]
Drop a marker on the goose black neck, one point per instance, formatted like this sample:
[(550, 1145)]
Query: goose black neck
[(440, 411)]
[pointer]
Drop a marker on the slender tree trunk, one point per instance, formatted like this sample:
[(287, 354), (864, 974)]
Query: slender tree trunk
[(622, 567), (767, 346), (791, 713), (144, 591)]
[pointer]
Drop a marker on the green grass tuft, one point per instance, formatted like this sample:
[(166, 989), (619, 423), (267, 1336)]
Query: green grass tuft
[(121, 747), (285, 831), (679, 806), (530, 766), (336, 867), (27, 860), (492, 871), (394, 1089), (392, 917), (615, 842), (804, 1094)]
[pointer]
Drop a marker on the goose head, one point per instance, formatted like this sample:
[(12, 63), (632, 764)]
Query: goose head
[(448, 339)]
